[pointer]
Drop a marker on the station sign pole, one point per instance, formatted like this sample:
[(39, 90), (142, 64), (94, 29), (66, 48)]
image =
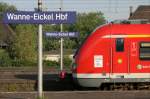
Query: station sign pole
[(39, 17), (40, 55), (61, 41)]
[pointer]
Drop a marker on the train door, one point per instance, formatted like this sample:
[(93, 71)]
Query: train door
[(134, 55), (120, 55)]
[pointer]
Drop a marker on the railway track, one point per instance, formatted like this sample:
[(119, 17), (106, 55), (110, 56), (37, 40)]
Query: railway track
[(78, 94), (25, 79), (28, 69)]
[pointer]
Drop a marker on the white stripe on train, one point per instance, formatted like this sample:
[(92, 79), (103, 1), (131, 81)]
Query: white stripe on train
[(112, 75)]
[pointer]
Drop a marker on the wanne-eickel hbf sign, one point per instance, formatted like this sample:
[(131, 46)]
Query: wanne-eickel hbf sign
[(30, 17), (62, 34)]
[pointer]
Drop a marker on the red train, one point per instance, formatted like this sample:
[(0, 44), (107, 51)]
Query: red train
[(115, 52)]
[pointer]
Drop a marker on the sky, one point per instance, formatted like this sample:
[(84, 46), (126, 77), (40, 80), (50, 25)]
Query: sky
[(112, 9)]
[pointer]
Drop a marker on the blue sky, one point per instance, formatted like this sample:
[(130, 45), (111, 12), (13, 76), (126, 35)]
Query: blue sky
[(112, 9)]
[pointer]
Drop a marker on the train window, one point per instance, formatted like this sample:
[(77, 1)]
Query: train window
[(145, 50), (119, 45)]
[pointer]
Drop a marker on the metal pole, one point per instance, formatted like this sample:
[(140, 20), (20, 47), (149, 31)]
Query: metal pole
[(131, 11), (40, 55), (61, 50), (61, 41)]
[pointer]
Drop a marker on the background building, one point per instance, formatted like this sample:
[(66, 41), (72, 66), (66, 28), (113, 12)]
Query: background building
[(142, 12)]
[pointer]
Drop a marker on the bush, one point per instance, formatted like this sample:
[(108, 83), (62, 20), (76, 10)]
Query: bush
[(20, 63), (67, 62), (5, 60), (51, 63)]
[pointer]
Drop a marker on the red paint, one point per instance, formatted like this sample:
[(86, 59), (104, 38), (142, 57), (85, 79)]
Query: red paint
[(96, 44)]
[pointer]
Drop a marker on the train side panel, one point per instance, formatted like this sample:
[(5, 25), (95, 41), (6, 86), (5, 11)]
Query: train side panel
[(114, 53)]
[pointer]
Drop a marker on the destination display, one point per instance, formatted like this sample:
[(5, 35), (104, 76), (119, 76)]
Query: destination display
[(62, 34), (28, 17)]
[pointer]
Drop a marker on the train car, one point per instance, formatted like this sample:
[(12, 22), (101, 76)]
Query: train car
[(114, 53)]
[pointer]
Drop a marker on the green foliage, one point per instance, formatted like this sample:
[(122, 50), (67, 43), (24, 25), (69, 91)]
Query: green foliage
[(67, 62), (23, 45), (86, 23), (19, 63), (50, 43), (23, 48), (51, 63), (5, 7), (4, 58), (69, 43)]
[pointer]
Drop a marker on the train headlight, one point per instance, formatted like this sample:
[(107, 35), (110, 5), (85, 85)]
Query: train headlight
[(139, 66)]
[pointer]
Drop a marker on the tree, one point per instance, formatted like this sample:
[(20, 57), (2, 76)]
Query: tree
[(86, 23), (24, 46), (4, 58), (50, 43), (5, 7)]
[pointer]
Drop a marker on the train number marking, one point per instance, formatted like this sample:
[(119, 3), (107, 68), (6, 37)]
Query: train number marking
[(133, 49)]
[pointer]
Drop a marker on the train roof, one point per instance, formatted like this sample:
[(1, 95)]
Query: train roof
[(123, 27), (137, 21)]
